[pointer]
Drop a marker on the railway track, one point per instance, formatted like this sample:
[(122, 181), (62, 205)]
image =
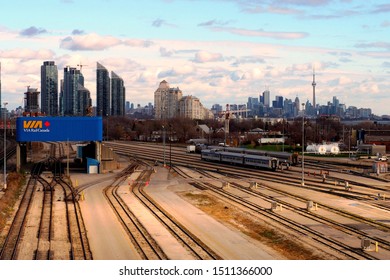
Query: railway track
[(188, 240), (28, 240), (43, 251), (9, 251), (368, 225), (284, 198), (359, 192), (144, 243), (142, 240), (76, 228), (293, 178), (347, 250)]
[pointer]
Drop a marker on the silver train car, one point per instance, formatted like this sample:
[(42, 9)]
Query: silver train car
[(285, 159), (256, 161)]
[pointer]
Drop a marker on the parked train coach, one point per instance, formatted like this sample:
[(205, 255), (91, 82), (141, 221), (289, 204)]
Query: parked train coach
[(210, 155), (285, 159), (261, 161), (240, 159)]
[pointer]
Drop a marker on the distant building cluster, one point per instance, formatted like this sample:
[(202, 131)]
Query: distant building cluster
[(170, 103), (262, 106), (139, 111), (69, 97), (74, 99), (280, 107)]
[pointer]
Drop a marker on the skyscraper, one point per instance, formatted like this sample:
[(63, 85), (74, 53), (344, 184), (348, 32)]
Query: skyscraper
[(49, 88), (70, 97), (117, 95), (279, 101), (253, 106), (166, 101), (102, 91), (266, 98), (297, 106), (85, 102)]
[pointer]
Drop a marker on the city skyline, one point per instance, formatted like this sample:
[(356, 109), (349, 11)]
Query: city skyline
[(223, 52)]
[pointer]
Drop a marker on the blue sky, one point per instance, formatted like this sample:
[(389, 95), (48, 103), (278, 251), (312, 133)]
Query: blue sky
[(221, 51)]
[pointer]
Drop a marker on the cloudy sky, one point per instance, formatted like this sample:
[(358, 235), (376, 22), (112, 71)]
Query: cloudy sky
[(222, 51)]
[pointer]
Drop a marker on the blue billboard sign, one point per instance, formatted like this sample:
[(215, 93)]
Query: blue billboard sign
[(34, 129)]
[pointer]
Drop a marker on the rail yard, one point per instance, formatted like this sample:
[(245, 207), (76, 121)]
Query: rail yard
[(164, 203)]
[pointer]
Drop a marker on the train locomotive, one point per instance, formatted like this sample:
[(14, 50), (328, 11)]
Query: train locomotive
[(256, 161)]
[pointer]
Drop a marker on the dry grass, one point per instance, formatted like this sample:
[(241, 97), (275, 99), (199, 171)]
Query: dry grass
[(255, 228), (14, 186)]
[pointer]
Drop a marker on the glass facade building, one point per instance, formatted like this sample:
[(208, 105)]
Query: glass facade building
[(118, 93), (49, 88), (70, 95), (102, 91)]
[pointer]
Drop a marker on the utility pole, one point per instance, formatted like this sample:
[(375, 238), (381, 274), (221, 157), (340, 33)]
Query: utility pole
[(303, 145), (164, 143), (5, 145), (67, 161), (170, 146)]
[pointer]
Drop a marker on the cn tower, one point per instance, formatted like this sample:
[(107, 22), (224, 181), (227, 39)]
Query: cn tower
[(314, 88)]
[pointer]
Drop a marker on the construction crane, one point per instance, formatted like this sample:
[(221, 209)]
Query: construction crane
[(227, 116), (81, 66)]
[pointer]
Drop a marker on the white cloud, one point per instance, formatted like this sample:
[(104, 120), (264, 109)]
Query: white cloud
[(138, 43), (343, 80), (205, 56), (32, 31), (166, 52), (147, 77), (91, 41), (256, 73), (181, 71), (96, 42), (369, 87), (27, 54), (261, 33)]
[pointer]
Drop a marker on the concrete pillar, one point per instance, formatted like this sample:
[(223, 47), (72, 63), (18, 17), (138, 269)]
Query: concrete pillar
[(254, 185), (276, 206), (98, 154), (18, 157)]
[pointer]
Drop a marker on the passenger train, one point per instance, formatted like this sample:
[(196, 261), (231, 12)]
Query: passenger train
[(285, 159), (240, 159)]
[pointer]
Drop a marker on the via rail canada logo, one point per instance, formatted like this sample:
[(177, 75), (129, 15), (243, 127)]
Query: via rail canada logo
[(36, 126)]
